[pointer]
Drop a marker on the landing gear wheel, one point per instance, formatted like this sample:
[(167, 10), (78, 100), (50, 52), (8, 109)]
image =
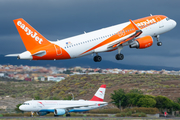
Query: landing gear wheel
[(68, 115), (32, 113), (56, 115), (97, 58), (159, 43), (119, 57)]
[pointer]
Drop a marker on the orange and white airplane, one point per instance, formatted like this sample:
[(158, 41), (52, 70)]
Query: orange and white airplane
[(135, 34)]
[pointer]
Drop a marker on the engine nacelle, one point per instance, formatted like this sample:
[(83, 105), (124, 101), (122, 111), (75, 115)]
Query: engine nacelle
[(142, 43), (42, 113), (59, 111)]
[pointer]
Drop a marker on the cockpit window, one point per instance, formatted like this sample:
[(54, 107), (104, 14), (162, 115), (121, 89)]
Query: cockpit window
[(167, 18), (25, 103)]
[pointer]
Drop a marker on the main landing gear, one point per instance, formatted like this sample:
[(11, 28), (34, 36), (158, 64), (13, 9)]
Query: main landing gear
[(157, 38), (119, 56), (97, 58), (68, 115)]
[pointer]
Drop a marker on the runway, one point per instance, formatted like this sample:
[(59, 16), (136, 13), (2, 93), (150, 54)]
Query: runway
[(88, 118)]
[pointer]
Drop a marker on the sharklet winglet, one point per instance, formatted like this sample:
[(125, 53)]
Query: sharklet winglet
[(135, 26)]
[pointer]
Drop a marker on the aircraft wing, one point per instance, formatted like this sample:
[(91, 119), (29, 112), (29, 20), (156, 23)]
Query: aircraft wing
[(129, 39), (78, 106)]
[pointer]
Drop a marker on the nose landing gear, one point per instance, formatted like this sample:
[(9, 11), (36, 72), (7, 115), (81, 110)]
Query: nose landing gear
[(159, 43), (157, 38), (32, 114)]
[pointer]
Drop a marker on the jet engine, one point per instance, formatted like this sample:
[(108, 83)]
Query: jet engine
[(42, 113), (59, 111), (142, 43)]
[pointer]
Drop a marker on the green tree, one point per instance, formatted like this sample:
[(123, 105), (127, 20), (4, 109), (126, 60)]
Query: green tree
[(176, 106), (146, 102), (17, 108), (118, 96), (178, 100), (163, 102), (132, 99)]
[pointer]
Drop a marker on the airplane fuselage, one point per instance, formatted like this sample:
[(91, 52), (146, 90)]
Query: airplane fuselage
[(51, 105), (137, 34), (84, 42)]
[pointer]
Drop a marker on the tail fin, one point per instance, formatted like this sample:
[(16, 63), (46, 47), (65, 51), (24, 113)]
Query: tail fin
[(99, 96), (30, 37)]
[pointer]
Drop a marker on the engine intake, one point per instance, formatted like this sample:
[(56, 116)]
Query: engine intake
[(142, 43), (59, 111)]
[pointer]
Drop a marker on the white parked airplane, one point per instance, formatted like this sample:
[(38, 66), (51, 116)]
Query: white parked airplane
[(135, 34), (61, 107)]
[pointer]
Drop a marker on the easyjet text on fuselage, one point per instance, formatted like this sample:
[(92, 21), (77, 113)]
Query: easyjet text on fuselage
[(147, 22)]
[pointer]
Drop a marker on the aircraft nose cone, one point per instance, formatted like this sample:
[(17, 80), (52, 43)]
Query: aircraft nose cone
[(21, 107), (174, 23)]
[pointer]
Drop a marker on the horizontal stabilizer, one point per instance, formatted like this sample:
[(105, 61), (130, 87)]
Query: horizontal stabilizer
[(11, 55)]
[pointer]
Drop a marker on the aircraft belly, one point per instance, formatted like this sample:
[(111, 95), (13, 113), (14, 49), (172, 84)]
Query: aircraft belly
[(101, 49), (75, 52), (82, 109)]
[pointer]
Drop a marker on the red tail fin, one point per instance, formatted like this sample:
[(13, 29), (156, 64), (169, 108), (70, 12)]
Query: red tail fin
[(30, 37), (99, 96)]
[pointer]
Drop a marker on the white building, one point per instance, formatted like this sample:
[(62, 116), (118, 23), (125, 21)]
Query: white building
[(2, 74), (56, 79)]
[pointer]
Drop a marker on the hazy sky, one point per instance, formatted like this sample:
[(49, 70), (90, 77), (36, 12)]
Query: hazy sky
[(58, 19)]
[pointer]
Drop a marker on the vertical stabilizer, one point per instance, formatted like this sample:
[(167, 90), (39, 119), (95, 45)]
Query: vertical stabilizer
[(31, 38), (99, 96)]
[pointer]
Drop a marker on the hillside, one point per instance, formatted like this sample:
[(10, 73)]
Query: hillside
[(13, 92), (84, 86)]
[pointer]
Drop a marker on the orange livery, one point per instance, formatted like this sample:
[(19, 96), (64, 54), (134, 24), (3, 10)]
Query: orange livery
[(135, 34)]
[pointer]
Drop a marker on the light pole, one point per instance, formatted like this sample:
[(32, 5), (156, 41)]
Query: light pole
[(71, 94)]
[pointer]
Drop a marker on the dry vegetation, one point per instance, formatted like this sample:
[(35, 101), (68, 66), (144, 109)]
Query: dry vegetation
[(84, 86), (15, 88)]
